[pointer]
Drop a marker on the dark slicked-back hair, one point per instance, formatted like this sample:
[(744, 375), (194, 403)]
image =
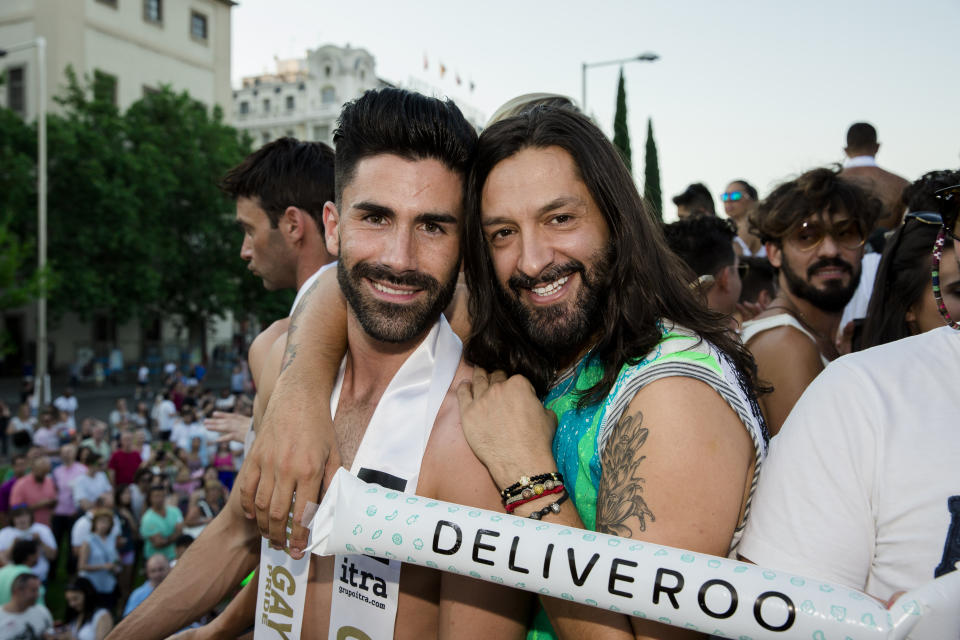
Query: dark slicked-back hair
[(705, 243), (402, 123), (22, 550), (645, 282), (285, 173), (815, 191), (860, 135)]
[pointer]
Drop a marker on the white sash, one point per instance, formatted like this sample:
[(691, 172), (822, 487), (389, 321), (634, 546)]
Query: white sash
[(365, 589)]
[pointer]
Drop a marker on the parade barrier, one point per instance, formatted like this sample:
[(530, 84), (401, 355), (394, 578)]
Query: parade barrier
[(709, 594)]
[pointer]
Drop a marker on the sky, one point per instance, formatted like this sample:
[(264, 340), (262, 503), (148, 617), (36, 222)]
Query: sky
[(760, 90)]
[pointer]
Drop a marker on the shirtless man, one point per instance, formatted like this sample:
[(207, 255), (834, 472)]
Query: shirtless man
[(280, 191), (814, 228), (860, 166), (397, 225)]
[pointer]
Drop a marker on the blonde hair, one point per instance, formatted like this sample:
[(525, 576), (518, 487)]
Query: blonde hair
[(527, 101)]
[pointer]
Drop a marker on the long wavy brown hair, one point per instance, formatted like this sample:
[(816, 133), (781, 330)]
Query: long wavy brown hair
[(644, 286)]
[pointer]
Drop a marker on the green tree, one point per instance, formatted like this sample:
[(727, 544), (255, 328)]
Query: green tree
[(19, 281), (621, 136), (651, 175)]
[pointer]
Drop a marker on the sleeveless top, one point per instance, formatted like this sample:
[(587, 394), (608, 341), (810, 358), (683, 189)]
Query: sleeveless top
[(582, 434), (752, 327)]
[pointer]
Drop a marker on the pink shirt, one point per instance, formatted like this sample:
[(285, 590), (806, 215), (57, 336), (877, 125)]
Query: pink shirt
[(28, 490), (64, 476)]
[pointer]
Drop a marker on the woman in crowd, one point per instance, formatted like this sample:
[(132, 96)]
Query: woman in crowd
[(20, 429), (127, 541), (161, 524), (86, 620), (204, 509), (99, 561), (902, 302), (23, 527)]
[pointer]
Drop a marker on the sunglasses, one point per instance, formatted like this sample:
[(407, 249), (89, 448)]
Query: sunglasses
[(733, 196), (847, 234)]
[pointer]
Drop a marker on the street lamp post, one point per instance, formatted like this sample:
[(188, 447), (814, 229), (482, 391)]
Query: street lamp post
[(41, 367), (643, 57)]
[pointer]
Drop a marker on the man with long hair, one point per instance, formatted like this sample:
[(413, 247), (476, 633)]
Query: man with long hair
[(574, 293)]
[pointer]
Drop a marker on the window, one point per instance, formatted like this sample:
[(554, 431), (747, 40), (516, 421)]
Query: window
[(290, 133), (198, 26), (244, 108), (16, 90), (105, 87), (153, 11), (328, 95), (147, 91), (109, 3), (277, 89), (327, 70), (321, 133), (265, 137), (290, 103), (266, 105)]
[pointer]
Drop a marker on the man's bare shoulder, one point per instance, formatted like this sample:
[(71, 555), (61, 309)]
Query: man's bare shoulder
[(449, 456), (261, 345), (780, 341)]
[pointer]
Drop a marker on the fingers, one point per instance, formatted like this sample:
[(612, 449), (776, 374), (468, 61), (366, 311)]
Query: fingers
[(247, 481), (262, 500), (278, 512), (465, 394), (227, 437), (480, 382), (306, 492)]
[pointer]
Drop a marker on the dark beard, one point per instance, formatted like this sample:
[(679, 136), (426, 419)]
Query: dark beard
[(389, 322), (558, 331), (834, 297)]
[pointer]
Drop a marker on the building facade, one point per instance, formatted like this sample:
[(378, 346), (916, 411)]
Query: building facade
[(303, 97), (128, 48), (131, 46)]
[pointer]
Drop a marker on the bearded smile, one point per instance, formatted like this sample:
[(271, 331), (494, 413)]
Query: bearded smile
[(549, 292)]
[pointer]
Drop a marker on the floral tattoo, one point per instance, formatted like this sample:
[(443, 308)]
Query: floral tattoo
[(621, 488)]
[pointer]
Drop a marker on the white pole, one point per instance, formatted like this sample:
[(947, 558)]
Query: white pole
[(41, 369)]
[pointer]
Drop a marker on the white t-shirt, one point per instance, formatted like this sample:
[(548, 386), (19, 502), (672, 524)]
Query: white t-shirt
[(168, 412), (863, 482), (69, 405), (9, 535), (87, 488), (857, 307), (13, 626), (143, 375)]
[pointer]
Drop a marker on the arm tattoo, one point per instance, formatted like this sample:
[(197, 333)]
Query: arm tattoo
[(291, 351), (620, 497)]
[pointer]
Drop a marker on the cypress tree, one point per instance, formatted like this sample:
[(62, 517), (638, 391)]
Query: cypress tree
[(621, 137), (651, 175)]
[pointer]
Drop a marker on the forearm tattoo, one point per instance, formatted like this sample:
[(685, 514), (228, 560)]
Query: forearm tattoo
[(291, 351), (620, 497)]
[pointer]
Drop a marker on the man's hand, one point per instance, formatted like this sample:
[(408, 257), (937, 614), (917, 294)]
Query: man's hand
[(232, 427), (288, 458), (506, 426)]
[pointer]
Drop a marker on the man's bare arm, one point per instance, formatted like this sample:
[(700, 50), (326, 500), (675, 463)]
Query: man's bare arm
[(296, 437), (673, 473), (226, 551), (789, 361)]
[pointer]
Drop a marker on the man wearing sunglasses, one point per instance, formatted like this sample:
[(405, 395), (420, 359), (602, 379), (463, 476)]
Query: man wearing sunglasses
[(739, 199), (862, 486), (860, 166), (814, 229)]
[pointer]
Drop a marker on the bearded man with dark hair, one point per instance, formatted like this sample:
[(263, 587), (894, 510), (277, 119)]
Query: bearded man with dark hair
[(814, 229)]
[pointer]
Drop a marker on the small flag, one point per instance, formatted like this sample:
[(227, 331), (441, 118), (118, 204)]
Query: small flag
[(426, 63)]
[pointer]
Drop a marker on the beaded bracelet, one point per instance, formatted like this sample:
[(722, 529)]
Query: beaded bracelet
[(525, 482), (510, 506), (535, 491), (553, 508)]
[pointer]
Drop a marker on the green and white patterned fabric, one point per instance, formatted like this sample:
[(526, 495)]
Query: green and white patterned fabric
[(582, 433)]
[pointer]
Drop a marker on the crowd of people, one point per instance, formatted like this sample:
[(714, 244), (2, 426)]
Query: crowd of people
[(100, 507), (499, 321)]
